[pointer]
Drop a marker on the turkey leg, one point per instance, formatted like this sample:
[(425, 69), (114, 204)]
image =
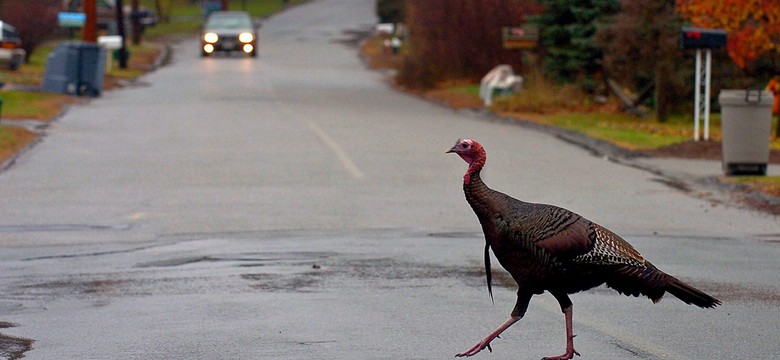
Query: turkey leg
[(523, 298), (485, 343), (570, 352)]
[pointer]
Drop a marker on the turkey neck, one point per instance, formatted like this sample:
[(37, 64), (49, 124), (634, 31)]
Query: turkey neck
[(481, 199), (476, 190)]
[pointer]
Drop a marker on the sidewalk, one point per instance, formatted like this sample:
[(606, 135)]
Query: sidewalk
[(692, 169), (704, 179)]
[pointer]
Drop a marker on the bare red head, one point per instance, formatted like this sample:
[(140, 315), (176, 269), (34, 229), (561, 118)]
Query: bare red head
[(471, 152)]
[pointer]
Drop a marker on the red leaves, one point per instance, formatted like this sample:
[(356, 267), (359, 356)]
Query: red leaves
[(753, 25)]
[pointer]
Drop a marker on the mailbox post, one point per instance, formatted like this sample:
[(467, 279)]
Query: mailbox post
[(707, 39)]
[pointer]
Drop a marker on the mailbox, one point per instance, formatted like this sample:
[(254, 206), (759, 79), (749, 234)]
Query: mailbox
[(700, 38), (110, 42)]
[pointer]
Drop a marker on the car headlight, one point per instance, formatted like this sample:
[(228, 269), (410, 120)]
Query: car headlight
[(246, 37), (210, 37)]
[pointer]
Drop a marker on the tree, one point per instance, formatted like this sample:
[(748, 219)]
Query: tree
[(640, 49), (753, 26), (35, 20), (163, 10), (566, 29)]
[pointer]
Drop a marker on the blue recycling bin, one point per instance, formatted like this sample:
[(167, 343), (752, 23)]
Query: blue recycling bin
[(75, 67)]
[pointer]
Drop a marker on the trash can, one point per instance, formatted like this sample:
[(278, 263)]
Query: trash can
[(75, 67), (746, 122)]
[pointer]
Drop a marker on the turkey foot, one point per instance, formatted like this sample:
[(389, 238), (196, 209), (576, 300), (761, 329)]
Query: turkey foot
[(568, 355), (485, 343), (570, 352)]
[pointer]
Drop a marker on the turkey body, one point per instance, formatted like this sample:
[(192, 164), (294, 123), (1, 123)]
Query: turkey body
[(549, 248)]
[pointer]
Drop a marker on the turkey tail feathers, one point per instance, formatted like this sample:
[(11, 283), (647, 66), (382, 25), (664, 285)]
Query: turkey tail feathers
[(488, 272), (653, 283), (690, 295)]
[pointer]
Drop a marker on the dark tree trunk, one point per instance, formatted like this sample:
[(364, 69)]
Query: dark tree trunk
[(136, 22), (662, 91)]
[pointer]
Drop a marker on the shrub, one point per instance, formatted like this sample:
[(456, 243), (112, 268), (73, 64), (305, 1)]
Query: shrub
[(35, 20), (459, 39)]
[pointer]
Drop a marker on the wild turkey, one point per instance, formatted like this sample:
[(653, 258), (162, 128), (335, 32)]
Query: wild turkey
[(548, 248)]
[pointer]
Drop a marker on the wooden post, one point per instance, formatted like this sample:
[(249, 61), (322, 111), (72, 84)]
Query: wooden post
[(89, 33)]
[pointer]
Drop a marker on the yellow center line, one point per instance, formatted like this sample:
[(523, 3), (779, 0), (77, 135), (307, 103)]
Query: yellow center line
[(344, 159)]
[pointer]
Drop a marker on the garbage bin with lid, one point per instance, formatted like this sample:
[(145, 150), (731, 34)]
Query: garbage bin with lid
[(746, 122), (75, 67)]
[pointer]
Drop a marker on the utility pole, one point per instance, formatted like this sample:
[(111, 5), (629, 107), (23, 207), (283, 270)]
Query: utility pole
[(120, 29), (89, 33)]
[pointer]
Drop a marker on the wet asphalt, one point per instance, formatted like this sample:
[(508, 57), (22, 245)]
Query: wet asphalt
[(294, 206)]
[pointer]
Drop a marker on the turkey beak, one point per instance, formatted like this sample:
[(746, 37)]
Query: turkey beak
[(452, 150)]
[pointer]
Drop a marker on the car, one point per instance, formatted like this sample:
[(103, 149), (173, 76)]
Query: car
[(11, 53), (229, 31)]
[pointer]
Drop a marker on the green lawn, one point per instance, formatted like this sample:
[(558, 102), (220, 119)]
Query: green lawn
[(625, 130), (472, 90), (12, 139), (33, 104)]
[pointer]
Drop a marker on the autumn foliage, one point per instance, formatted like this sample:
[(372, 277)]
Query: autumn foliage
[(753, 26)]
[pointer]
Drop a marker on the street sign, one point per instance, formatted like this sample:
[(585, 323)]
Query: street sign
[(525, 37), (71, 19)]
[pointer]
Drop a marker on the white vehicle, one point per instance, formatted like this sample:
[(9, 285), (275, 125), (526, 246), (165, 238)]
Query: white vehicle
[(11, 53)]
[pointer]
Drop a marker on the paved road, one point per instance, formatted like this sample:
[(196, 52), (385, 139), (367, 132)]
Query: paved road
[(295, 207)]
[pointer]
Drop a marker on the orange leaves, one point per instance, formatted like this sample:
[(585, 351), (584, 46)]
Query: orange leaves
[(753, 25)]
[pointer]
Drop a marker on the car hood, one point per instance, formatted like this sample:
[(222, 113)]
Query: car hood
[(222, 31)]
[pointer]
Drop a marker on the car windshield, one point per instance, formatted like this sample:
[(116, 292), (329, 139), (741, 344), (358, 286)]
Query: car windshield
[(234, 21), (9, 32)]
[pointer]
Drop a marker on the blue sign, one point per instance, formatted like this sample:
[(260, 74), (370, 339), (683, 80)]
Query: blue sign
[(70, 19)]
